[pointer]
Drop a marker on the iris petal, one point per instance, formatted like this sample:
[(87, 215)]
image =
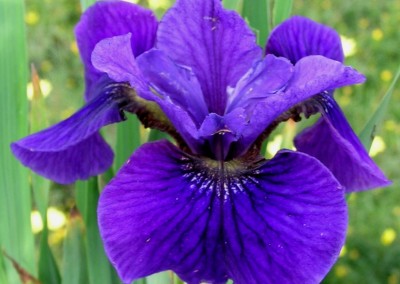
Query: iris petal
[(282, 220), (298, 37), (174, 81), (216, 43), (72, 149), (106, 19), (311, 75), (114, 56), (151, 219), (335, 144)]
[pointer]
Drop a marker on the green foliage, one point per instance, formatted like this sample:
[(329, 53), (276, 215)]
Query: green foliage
[(99, 268), (369, 132), (257, 13), (372, 25), (282, 10), (16, 238), (74, 268)]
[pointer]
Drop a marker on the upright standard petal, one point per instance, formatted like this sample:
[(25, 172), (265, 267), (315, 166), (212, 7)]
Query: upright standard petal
[(73, 149), (112, 18), (334, 143), (311, 75), (298, 37), (178, 83), (281, 221), (216, 43)]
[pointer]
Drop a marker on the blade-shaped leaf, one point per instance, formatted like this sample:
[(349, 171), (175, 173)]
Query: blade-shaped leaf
[(157, 135), (99, 269), (128, 139), (233, 5), (257, 13), (74, 268), (48, 270), (3, 274), (86, 3), (16, 237), (160, 278), (367, 135), (38, 121), (281, 11)]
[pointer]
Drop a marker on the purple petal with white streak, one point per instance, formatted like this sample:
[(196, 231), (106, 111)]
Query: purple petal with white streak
[(311, 75), (216, 43), (280, 221)]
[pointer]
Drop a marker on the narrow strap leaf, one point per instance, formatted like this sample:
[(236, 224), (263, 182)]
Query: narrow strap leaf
[(258, 14), (74, 258), (367, 135), (282, 10), (16, 237), (233, 5)]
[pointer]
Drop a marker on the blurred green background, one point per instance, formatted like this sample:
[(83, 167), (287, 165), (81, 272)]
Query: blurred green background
[(371, 37)]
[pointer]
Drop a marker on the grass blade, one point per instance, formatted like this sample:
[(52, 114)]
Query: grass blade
[(155, 135), (128, 139), (233, 5), (16, 237), (74, 267), (86, 3), (48, 270), (367, 135), (257, 13), (165, 277), (99, 269), (3, 274), (38, 121), (281, 11)]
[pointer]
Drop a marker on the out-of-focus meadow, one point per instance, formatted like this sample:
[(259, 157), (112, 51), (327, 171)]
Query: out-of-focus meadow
[(371, 38)]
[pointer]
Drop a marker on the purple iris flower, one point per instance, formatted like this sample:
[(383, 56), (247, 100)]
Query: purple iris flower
[(331, 140), (210, 208)]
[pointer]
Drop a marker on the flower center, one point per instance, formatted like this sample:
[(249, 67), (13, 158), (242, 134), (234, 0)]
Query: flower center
[(222, 178)]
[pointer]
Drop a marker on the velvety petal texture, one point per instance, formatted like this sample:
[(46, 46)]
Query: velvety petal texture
[(331, 140), (216, 43), (176, 82), (281, 221), (335, 144), (73, 149), (298, 37), (311, 75), (106, 19)]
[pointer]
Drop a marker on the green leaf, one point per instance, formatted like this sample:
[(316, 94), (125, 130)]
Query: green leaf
[(38, 121), (48, 270), (99, 269), (3, 274), (74, 268), (160, 278), (16, 237), (367, 135), (128, 139), (86, 3), (155, 135), (233, 5), (282, 10), (176, 279), (257, 13)]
